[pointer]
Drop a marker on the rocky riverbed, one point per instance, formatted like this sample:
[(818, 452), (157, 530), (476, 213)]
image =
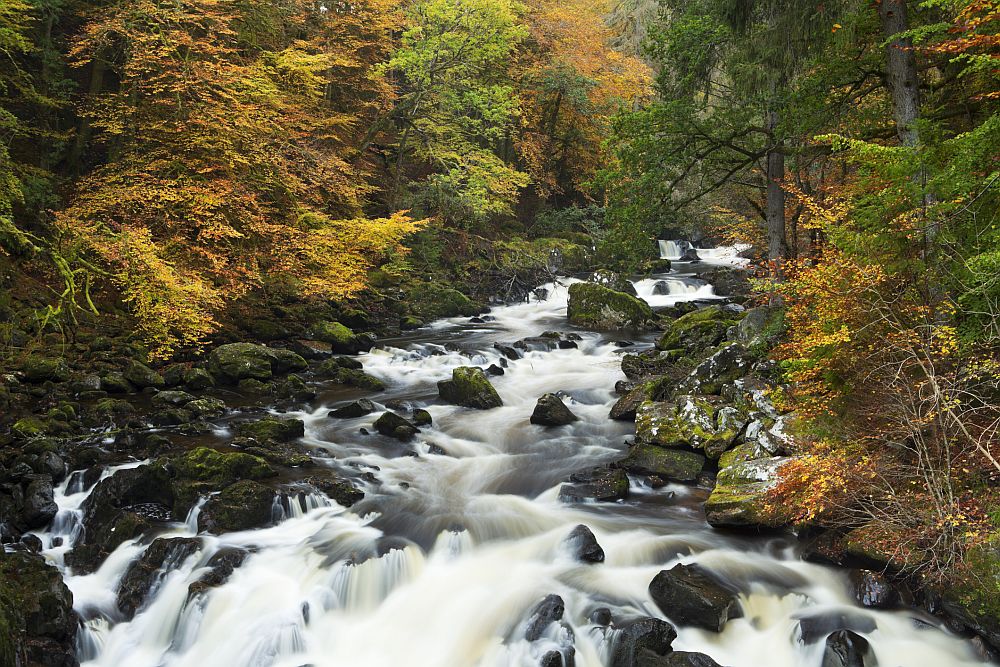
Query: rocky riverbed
[(472, 493)]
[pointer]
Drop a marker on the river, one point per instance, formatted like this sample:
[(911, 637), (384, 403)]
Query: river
[(461, 534)]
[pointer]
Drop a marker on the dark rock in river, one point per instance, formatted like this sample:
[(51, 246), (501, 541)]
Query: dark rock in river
[(546, 612), (353, 410), (584, 546), (600, 484), (846, 649), (241, 506), (221, 567), (551, 411), (37, 623), (394, 426), (690, 595), (639, 637), (676, 659), (162, 556), (508, 351), (422, 418), (678, 465), (39, 504), (817, 627), (873, 590), (494, 370), (143, 376), (272, 429), (597, 307), (469, 387)]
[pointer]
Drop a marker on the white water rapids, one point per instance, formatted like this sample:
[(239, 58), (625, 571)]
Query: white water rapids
[(471, 538)]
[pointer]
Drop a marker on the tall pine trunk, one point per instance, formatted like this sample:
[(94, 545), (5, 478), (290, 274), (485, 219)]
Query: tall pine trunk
[(777, 247), (901, 69)]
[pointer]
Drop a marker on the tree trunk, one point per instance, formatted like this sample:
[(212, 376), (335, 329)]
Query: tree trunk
[(901, 69), (777, 248), (83, 130)]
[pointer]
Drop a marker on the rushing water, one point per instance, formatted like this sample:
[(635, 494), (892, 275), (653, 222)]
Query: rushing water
[(442, 562)]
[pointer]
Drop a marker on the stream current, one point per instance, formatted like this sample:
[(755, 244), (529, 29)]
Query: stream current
[(461, 533)]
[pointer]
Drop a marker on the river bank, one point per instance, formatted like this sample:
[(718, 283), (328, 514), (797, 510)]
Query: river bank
[(330, 538)]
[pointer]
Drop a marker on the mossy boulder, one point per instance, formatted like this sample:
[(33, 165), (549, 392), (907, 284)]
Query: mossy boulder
[(142, 376), (740, 498), (431, 301), (244, 505), (231, 363), (469, 387), (637, 366), (626, 407), (197, 379), (613, 281), (597, 485), (551, 411), (722, 368), (39, 369), (115, 383), (697, 331), (144, 573), (272, 428), (219, 469), (340, 338), (597, 307), (30, 427), (677, 465), (706, 423), (37, 623), (395, 426)]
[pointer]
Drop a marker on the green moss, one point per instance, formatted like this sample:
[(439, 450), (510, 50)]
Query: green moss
[(334, 333), (673, 464), (697, 331), (471, 388), (30, 427), (359, 379), (272, 428), (219, 468), (595, 306), (690, 421), (433, 301), (242, 506), (41, 369)]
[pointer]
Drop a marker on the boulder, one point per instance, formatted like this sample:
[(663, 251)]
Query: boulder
[(690, 595), (689, 255), (695, 422), (142, 376), (353, 410), (653, 362), (676, 659), (583, 545), (740, 498), (722, 368), (395, 426), (172, 398), (873, 590), (145, 491), (431, 301), (697, 331), (197, 379), (162, 556), (220, 567), (422, 418), (729, 281), (641, 636), (551, 411), (549, 610), (38, 625), (341, 339), (469, 387), (272, 429), (38, 369), (818, 626), (39, 504), (847, 649), (231, 363), (593, 306), (600, 484), (241, 506), (678, 465), (613, 281)]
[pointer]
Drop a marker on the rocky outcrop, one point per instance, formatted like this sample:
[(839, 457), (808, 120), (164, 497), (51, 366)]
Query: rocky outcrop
[(551, 411), (162, 556), (740, 497), (705, 423), (470, 388), (595, 307), (37, 623), (690, 595), (231, 363)]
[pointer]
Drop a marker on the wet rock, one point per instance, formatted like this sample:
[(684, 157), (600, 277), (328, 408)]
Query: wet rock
[(422, 418), (873, 590), (206, 407), (410, 323), (115, 383), (162, 556), (221, 566), (353, 410), (172, 398), (494, 370), (613, 281), (697, 331), (817, 627), (431, 301), (38, 369), (689, 255), (395, 426), (583, 544), (696, 422), (724, 367), (637, 366), (551, 411), (197, 379), (600, 484), (39, 504), (739, 499), (601, 616), (846, 649), (469, 387), (32, 542), (558, 659), (340, 338), (546, 612), (690, 595), (728, 281), (676, 659), (142, 376), (231, 363), (336, 488), (678, 465), (37, 623), (294, 388), (638, 637), (240, 506), (272, 429), (508, 351), (594, 306)]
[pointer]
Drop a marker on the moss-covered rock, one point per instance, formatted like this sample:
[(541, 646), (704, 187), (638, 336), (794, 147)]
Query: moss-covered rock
[(637, 366), (37, 623), (697, 422), (115, 383), (431, 301), (231, 363), (469, 387), (241, 506), (599, 484), (340, 338), (678, 465), (740, 498), (272, 429), (30, 427), (142, 376), (395, 426), (197, 379), (593, 306), (220, 468), (697, 331), (613, 281), (626, 407), (722, 368), (43, 369)]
